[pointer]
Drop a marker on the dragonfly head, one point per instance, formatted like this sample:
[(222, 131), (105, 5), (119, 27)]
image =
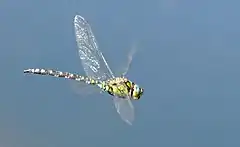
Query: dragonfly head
[(137, 92)]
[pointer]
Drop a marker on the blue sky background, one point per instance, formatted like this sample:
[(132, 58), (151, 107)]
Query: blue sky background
[(188, 62)]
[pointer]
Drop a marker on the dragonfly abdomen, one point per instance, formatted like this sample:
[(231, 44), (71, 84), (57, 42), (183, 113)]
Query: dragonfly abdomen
[(61, 74)]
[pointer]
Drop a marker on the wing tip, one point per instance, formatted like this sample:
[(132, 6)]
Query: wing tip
[(78, 17), (129, 123)]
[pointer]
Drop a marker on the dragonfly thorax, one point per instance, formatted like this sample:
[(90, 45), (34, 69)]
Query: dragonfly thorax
[(122, 87)]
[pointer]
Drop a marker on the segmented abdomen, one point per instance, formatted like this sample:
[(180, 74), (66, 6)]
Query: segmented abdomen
[(61, 74), (119, 87)]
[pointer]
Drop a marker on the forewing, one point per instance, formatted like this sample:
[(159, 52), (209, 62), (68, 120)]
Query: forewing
[(125, 109), (93, 61)]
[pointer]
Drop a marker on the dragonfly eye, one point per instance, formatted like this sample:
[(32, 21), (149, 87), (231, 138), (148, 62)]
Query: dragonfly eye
[(137, 92)]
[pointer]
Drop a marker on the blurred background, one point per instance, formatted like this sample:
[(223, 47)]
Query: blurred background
[(187, 60)]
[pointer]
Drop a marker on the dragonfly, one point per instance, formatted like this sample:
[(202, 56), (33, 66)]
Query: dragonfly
[(98, 73)]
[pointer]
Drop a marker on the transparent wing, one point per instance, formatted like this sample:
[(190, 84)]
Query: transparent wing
[(95, 65), (129, 61), (83, 89), (125, 109), (93, 61)]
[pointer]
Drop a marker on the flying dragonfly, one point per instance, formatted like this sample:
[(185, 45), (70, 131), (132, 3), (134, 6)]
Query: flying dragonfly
[(98, 73)]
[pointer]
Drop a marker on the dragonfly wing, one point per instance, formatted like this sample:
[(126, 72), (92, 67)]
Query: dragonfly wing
[(129, 60), (93, 61), (95, 65), (125, 109), (83, 89)]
